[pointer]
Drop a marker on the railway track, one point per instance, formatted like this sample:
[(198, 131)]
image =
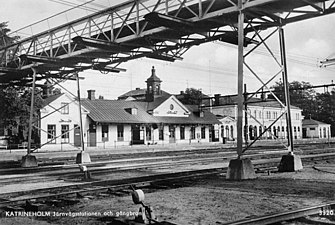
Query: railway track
[(70, 194), (79, 187), (321, 214), (71, 172), (68, 159)]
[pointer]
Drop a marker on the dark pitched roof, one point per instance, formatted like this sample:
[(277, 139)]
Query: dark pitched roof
[(133, 93), (50, 99), (153, 77), (269, 103), (157, 101), (312, 122), (114, 111), (233, 99), (140, 94)]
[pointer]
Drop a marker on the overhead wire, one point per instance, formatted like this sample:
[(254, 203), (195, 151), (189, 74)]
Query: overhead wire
[(67, 3)]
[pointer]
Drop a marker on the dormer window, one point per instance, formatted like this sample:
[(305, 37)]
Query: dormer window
[(132, 111), (64, 108)]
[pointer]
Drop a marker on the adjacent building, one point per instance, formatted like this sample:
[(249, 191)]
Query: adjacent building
[(262, 114), (315, 129)]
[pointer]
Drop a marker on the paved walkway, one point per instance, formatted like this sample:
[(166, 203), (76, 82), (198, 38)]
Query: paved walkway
[(16, 154)]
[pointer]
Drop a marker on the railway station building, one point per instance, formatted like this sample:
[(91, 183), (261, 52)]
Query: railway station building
[(265, 111), (139, 117)]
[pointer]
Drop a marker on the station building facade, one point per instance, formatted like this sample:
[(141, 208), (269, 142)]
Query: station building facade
[(261, 114), (154, 117)]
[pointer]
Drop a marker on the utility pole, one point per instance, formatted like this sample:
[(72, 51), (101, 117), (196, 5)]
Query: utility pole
[(246, 127)]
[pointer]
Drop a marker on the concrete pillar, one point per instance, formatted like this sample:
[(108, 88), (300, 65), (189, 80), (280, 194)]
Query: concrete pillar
[(240, 169), (290, 163)]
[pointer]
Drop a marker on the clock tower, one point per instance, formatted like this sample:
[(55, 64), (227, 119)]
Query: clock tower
[(153, 86)]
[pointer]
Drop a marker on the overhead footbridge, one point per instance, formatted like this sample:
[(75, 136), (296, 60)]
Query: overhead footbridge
[(159, 29)]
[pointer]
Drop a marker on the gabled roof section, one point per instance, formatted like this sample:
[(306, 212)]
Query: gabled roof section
[(160, 100), (193, 119), (313, 122), (221, 118), (133, 93), (140, 94), (50, 99), (115, 111)]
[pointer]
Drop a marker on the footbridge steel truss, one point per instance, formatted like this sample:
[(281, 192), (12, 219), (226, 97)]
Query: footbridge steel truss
[(159, 29)]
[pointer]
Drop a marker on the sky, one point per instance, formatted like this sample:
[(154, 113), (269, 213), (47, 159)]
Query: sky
[(211, 67)]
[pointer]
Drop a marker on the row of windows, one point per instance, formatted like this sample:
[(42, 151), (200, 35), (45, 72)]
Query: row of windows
[(278, 131), (182, 133), (270, 115), (65, 129)]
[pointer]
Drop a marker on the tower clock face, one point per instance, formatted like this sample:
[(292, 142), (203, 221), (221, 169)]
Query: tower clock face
[(171, 107)]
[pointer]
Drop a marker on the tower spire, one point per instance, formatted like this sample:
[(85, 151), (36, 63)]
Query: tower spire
[(153, 85)]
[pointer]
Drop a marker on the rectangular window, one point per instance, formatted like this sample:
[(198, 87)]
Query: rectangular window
[(64, 108), (203, 132), (104, 132), (120, 131), (161, 133), (51, 133), (192, 133), (65, 133), (182, 133)]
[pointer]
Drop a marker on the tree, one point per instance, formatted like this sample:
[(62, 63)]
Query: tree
[(318, 106), (326, 109), (15, 101), (5, 39), (302, 95), (191, 96), (15, 106)]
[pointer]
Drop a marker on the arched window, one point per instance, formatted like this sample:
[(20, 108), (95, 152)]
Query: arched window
[(232, 132)]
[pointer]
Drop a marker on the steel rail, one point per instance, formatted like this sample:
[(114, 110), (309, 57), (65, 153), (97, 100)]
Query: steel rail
[(106, 185), (263, 165), (281, 217)]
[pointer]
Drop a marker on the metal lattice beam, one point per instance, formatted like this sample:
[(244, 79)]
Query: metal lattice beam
[(127, 32)]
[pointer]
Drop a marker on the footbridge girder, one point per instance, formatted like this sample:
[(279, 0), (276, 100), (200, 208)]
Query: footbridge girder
[(145, 28)]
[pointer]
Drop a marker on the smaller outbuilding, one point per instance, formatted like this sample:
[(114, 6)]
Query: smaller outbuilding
[(315, 129)]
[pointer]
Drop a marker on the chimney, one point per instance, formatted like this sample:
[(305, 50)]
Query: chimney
[(217, 99), (91, 94), (47, 89)]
